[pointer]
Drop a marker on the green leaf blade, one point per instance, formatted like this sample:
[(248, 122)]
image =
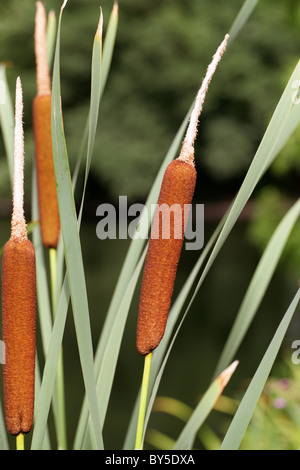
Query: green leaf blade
[(72, 247)]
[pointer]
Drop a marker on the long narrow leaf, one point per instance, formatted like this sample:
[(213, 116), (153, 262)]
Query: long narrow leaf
[(242, 417), (7, 120), (3, 433), (242, 17), (258, 285), (108, 365), (202, 410), (72, 246), (109, 44), (101, 62), (49, 374), (62, 307)]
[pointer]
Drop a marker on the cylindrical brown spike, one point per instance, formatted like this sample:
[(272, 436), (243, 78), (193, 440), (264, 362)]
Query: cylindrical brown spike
[(47, 197), (18, 330), (18, 299), (163, 254)]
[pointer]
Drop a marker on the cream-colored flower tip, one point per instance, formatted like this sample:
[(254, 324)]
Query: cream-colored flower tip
[(41, 56), (18, 224)]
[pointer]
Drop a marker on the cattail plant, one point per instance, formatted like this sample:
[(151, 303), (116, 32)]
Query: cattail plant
[(165, 244), (18, 301), (48, 206)]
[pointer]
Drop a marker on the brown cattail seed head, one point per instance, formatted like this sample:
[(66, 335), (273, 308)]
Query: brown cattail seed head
[(163, 254), (18, 330), (18, 300), (47, 196)]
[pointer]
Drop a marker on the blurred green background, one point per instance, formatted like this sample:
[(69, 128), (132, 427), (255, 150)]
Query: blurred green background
[(162, 51)]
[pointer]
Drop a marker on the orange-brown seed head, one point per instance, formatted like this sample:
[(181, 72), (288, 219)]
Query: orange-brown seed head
[(163, 255), (18, 329), (47, 196)]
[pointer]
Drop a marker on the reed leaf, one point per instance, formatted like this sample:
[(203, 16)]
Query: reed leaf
[(62, 307), (43, 299), (258, 285), (72, 246), (109, 44), (241, 19), (49, 374), (202, 410), (3, 433), (7, 120), (242, 417), (51, 36)]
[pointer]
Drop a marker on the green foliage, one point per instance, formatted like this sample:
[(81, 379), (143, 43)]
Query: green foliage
[(268, 208)]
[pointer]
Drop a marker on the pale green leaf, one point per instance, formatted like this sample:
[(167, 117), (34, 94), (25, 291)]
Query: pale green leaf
[(242, 417)]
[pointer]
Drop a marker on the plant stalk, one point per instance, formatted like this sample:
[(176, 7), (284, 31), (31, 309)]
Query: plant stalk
[(143, 402), (20, 441)]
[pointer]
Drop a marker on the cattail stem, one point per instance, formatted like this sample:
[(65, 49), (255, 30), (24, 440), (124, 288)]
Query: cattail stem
[(143, 402), (20, 441)]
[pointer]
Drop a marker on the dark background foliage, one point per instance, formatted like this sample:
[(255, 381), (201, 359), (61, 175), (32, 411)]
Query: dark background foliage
[(162, 51)]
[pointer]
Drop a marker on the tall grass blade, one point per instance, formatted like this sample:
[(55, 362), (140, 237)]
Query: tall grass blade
[(72, 247), (3, 433), (242, 417), (261, 162), (101, 62), (258, 285), (51, 36), (49, 374), (46, 442), (62, 306), (109, 44), (241, 18), (107, 369), (43, 299), (96, 80), (187, 436), (7, 121)]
